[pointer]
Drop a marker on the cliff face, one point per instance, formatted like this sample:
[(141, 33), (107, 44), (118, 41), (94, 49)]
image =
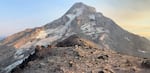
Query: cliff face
[(83, 21)]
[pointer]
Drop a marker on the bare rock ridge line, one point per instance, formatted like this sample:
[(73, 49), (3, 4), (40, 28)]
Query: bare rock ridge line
[(80, 25), (78, 58)]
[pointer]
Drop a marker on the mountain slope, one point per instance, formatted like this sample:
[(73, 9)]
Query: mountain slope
[(80, 20), (83, 20)]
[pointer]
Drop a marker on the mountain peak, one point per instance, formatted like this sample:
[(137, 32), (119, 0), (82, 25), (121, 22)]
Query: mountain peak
[(83, 7), (79, 4)]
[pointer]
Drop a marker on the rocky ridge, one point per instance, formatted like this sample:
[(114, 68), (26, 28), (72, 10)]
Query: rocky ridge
[(81, 58)]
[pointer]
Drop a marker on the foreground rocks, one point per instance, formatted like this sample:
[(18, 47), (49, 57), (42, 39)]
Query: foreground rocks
[(146, 64), (82, 59), (73, 55)]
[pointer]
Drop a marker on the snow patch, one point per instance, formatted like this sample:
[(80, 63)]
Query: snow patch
[(19, 57), (69, 33), (77, 12), (90, 29), (12, 66), (92, 17), (142, 51), (18, 53)]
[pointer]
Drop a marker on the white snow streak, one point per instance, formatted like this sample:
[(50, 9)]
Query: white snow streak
[(18, 53), (142, 51), (92, 16), (90, 30), (55, 33), (12, 66)]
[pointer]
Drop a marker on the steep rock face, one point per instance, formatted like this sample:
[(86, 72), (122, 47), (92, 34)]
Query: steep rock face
[(81, 20)]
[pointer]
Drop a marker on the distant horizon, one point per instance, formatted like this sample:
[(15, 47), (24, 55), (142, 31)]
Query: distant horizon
[(18, 15)]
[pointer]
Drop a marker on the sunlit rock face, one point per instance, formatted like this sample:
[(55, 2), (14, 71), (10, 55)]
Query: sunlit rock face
[(81, 20)]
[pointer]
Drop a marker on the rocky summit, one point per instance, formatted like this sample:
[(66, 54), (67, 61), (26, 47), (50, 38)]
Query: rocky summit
[(81, 41)]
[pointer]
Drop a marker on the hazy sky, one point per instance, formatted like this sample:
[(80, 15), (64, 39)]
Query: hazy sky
[(17, 15)]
